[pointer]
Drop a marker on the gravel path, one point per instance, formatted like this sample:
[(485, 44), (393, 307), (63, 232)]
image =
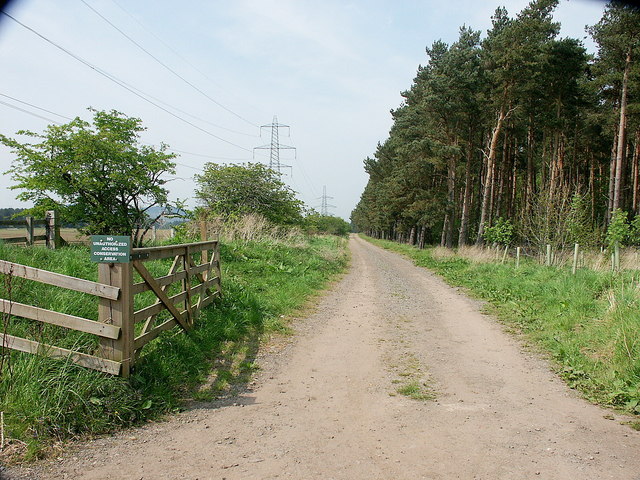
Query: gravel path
[(327, 407)]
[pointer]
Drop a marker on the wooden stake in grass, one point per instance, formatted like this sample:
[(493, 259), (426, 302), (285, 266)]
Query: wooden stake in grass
[(504, 255), (616, 257), (548, 255), (1, 431), (517, 257), (576, 249)]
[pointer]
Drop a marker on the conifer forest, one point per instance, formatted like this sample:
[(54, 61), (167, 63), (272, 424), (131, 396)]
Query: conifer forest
[(518, 127)]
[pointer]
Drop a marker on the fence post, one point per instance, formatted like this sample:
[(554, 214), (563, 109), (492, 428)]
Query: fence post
[(576, 249), (29, 221), (203, 238), (504, 255), (118, 312), (53, 230), (216, 260), (616, 257), (517, 257), (548, 255)]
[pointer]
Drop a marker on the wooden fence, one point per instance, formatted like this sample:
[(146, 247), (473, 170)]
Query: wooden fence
[(50, 223), (191, 283)]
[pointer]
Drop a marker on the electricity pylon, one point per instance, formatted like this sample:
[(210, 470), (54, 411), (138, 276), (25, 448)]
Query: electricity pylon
[(275, 146), (324, 208)]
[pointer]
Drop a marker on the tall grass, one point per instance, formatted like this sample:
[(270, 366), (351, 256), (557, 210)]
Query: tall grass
[(589, 322), (47, 400)]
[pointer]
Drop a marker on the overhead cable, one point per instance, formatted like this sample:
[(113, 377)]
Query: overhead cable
[(15, 107), (121, 83), (34, 106), (166, 66)]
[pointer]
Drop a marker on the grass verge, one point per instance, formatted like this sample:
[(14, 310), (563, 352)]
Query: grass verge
[(589, 322), (46, 401)]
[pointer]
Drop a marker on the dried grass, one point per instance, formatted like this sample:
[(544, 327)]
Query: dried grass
[(250, 228), (477, 254)]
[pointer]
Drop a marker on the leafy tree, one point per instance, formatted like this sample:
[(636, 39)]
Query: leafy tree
[(579, 223), (316, 223), (98, 174), (618, 38), (501, 232), (618, 231), (526, 119), (234, 190)]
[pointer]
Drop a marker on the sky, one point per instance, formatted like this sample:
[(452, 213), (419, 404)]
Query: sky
[(331, 70)]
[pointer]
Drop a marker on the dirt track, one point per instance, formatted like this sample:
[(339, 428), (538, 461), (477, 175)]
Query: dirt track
[(326, 407)]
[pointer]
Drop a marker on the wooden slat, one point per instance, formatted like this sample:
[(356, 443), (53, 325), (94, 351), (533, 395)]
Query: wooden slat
[(168, 279), (39, 223), (157, 289), (145, 338), (148, 324), (146, 312), (186, 286), (203, 279), (142, 340), (59, 280), (14, 240), (89, 361), (210, 299), (39, 237), (13, 223), (156, 253), (59, 319)]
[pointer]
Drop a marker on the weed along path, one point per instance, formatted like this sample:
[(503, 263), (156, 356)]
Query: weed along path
[(396, 376)]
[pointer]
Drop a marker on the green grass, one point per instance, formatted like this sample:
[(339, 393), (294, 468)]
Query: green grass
[(589, 322), (416, 391), (47, 400)]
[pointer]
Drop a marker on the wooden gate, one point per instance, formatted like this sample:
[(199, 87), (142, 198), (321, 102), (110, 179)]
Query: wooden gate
[(134, 306), (191, 283)]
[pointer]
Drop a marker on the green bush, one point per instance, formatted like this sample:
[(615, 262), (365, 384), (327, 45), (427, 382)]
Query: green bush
[(501, 232)]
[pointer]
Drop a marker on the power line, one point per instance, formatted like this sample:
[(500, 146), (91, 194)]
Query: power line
[(121, 83), (209, 156), (28, 112), (35, 106), (174, 51), (166, 66), (185, 112), (69, 118)]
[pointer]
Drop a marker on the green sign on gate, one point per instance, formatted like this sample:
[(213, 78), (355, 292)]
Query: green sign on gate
[(110, 248)]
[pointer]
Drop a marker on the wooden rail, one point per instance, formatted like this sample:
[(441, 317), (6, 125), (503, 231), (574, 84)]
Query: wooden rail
[(176, 298), (102, 329), (50, 223)]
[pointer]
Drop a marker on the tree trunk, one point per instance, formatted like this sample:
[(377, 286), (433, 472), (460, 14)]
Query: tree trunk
[(592, 186), (612, 175), (514, 190), (636, 175), (466, 199), (622, 130), (451, 192), (488, 184), (531, 168)]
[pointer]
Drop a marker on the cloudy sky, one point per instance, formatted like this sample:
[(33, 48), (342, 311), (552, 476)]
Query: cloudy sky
[(329, 69)]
